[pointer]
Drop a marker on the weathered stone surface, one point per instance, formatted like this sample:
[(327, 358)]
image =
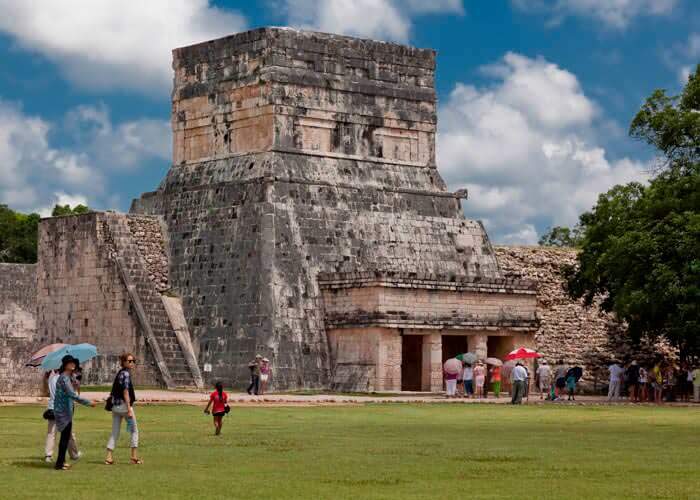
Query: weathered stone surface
[(18, 334), (295, 154)]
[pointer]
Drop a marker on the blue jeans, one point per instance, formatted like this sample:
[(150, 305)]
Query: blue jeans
[(469, 387)]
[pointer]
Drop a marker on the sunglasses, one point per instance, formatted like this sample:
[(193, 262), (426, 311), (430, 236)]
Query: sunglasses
[(131, 361)]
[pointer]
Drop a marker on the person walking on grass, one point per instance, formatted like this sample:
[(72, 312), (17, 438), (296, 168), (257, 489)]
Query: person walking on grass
[(544, 378), (219, 400), (519, 376), (657, 382), (265, 375), (254, 367), (64, 397), (50, 417), (560, 372), (123, 399), (616, 374)]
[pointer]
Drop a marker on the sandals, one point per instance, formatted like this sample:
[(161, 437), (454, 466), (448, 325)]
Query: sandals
[(136, 461), (65, 467), (109, 462)]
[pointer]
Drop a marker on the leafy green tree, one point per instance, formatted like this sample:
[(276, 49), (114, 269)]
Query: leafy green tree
[(561, 236), (640, 248), (60, 210), (18, 236)]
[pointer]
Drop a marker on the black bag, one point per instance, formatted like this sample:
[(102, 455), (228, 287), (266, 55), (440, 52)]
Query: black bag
[(49, 415), (109, 404), (227, 409)]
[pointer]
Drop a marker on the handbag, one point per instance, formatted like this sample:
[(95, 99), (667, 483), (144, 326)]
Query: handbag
[(49, 415), (109, 403)]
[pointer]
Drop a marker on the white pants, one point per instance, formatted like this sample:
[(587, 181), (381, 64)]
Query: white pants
[(451, 387), (51, 442), (116, 427), (614, 390)]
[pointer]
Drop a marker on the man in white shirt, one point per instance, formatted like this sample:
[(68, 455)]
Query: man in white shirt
[(616, 374), (519, 377)]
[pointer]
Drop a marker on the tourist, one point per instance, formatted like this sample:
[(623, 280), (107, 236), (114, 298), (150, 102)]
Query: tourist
[(670, 382), (616, 374), (254, 367), (123, 398), (219, 400), (571, 386), (468, 379), (63, 408), (50, 417), (632, 381), (519, 377), (696, 384), (687, 377), (265, 374), (657, 382), (642, 390), (450, 383), (560, 372), (544, 378), (496, 380), (479, 378)]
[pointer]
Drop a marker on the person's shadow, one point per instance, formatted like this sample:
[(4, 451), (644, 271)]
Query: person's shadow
[(31, 463)]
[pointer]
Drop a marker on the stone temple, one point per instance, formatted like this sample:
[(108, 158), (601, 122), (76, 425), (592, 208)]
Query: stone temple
[(303, 218)]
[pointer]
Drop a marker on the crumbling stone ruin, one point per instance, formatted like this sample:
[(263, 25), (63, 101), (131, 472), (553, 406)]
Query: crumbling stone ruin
[(304, 219)]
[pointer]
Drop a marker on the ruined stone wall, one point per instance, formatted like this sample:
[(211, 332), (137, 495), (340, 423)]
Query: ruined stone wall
[(82, 298), (18, 333), (568, 330), (149, 238), (298, 153)]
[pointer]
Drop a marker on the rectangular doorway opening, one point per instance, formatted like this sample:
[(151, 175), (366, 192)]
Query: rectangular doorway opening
[(498, 346), (411, 362), (453, 345)]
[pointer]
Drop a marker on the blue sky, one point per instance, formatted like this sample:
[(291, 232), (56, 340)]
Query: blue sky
[(535, 95)]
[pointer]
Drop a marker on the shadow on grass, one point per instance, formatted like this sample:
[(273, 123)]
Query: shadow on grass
[(31, 463)]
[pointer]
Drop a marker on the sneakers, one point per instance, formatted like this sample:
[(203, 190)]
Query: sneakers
[(48, 459)]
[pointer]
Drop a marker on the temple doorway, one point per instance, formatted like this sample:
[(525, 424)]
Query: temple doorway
[(453, 345), (411, 362), (498, 346)]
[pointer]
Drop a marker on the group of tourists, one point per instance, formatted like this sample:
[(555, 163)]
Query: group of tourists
[(64, 391), (657, 382), (260, 375)]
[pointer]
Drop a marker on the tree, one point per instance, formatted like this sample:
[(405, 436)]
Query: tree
[(18, 236), (561, 236), (60, 210), (640, 248)]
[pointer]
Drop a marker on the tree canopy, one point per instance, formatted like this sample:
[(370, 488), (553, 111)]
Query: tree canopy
[(561, 236), (60, 210), (640, 247)]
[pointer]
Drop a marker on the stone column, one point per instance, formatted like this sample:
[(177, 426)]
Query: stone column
[(431, 377), (478, 345)]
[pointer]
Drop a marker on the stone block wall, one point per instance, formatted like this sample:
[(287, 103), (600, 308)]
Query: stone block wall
[(18, 333), (82, 298)]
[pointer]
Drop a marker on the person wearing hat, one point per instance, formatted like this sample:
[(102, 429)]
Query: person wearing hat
[(519, 376), (254, 367), (265, 374), (63, 408), (479, 378)]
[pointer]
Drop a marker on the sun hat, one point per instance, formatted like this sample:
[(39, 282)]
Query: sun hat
[(266, 360), (68, 359), (258, 356)]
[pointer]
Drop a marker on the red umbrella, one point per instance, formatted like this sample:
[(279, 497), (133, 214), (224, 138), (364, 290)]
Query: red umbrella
[(523, 353), (39, 356)]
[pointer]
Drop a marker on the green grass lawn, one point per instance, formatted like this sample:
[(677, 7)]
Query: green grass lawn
[(376, 451)]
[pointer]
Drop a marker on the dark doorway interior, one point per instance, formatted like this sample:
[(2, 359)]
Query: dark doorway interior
[(499, 346), (411, 362), (453, 345)]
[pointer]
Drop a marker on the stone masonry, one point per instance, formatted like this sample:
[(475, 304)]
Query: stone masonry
[(298, 154)]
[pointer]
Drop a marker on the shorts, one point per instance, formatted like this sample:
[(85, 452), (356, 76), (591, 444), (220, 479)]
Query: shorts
[(469, 387), (219, 414), (561, 383)]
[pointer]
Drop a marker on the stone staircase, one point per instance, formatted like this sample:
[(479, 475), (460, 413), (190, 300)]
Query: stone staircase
[(148, 305)]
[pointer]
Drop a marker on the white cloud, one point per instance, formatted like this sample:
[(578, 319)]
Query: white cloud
[(32, 172), (613, 13), (382, 19), (108, 44), (35, 174), (124, 147), (527, 148)]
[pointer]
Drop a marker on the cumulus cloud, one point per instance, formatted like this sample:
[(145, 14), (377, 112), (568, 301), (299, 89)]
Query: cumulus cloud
[(35, 174), (689, 53), (526, 147), (613, 13), (383, 19), (104, 44)]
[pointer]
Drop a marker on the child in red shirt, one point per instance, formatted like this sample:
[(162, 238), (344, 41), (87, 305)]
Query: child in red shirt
[(219, 400)]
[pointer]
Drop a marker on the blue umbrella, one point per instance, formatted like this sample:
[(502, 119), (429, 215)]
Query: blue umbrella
[(82, 352)]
